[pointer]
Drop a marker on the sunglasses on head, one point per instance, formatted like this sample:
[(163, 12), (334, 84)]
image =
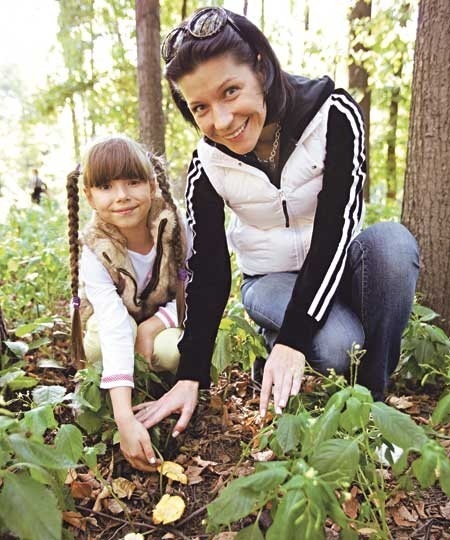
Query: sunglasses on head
[(203, 24)]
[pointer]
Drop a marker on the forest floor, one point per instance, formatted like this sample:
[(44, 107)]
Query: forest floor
[(219, 445)]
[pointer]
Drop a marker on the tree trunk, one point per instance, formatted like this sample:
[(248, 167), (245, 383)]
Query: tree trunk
[(183, 10), (426, 202), (391, 159), (358, 76), (151, 115), (263, 15), (245, 8), (75, 133), (3, 332)]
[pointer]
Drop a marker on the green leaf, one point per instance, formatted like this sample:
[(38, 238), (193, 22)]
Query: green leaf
[(442, 411), (69, 441), (89, 421), (29, 509), (324, 427), (18, 348), (424, 468), (336, 458), (244, 495), (16, 379), (36, 343), (397, 427), (50, 363), (424, 313), (253, 532), (221, 358), (289, 431), (31, 451), (283, 526), (356, 415), (38, 420), (43, 395)]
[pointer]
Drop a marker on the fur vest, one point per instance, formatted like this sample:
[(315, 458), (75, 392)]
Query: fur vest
[(110, 247)]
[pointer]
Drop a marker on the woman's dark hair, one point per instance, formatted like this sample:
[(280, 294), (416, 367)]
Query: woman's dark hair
[(250, 46)]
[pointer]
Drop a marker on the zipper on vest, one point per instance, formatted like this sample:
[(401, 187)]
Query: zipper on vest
[(284, 205)]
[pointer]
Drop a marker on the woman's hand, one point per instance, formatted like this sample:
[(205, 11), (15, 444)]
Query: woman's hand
[(135, 445), (182, 399), (283, 371)]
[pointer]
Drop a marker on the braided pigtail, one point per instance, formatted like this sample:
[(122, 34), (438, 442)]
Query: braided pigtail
[(178, 244), (77, 350)]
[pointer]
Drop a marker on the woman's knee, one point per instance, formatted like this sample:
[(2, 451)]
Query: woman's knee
[(333, 350)]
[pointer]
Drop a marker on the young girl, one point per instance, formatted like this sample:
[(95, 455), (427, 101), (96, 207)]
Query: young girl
[(131, 272)]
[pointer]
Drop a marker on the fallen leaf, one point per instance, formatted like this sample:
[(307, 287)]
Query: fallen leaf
[(80, 490), (216, 403), (367, 530), (104, 494), (169, 509), (265, 455), (194, 474), (133, 536), (403, 517), (225, 536), (203, 462), (168, 536), (396, 498), (445, 511), (77, 520), (114, 506), (401, 402), (122, 487), (71, 476), (173, 470)]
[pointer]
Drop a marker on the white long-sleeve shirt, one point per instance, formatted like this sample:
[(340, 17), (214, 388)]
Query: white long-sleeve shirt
[(113, 320)]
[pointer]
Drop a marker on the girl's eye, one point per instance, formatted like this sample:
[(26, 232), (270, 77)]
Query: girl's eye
[(104, 187), (135, 182)]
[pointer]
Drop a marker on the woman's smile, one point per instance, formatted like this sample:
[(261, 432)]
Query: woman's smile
[(227, 102)]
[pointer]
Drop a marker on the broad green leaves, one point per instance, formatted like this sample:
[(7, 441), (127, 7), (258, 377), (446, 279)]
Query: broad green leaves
[(246, 494), (29, 509)]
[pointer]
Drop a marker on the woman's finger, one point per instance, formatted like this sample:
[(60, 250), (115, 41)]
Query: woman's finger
[(285, 389), (277, 388), (266, 390), (297, 382)]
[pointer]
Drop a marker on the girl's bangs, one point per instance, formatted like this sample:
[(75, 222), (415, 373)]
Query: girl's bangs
[(117, 159)]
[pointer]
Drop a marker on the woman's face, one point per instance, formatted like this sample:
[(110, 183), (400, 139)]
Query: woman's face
[(226, 101)]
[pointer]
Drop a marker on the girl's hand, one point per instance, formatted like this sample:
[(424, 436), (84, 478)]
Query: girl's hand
[(145, 337), (182, 399), (136, 446), (283, 371)]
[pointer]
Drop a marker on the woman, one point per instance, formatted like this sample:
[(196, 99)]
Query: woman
[(286, 155)]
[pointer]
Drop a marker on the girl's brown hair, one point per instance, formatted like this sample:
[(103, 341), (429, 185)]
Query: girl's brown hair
[(112, 158)]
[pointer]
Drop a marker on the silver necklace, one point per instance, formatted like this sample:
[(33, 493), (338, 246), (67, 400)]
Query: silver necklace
[(270, 161)]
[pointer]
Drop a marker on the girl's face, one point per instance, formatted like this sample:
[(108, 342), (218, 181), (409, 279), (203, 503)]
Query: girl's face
[(226, 101), (123, 203)]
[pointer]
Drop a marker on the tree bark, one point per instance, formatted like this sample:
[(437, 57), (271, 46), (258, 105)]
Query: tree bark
[(391, 158), (244, 11), (3, 332), (151, 115), (358, 77), (426, 202)]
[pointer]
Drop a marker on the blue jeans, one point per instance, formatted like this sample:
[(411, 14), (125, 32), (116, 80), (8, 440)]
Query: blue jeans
[(371, 307)]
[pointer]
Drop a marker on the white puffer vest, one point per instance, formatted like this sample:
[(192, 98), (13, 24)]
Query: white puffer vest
[(258, 231)]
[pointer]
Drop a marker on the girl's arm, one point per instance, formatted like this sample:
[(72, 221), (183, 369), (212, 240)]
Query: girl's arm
[(135, 441)]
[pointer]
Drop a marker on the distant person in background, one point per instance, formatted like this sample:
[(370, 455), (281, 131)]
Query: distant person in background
[(37, 186)]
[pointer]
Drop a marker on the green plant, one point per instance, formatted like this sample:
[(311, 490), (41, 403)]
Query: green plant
[(321, 453), (425, 348), (33, 471)]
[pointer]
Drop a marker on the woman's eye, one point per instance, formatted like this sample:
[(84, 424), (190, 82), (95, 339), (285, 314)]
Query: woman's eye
[(104, 187), (198, 109), (135, 182), (231, 91)]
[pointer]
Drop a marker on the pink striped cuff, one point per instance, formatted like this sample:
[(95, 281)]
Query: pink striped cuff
[(117, 379), (166, 318)]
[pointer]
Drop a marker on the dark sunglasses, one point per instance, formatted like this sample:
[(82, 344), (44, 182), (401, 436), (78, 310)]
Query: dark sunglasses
[(203, 24)]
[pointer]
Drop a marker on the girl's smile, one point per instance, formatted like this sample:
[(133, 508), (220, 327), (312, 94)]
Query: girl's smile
[(124, 203)]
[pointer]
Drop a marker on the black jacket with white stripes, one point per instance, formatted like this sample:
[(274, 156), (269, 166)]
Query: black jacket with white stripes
[(336, 221)]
